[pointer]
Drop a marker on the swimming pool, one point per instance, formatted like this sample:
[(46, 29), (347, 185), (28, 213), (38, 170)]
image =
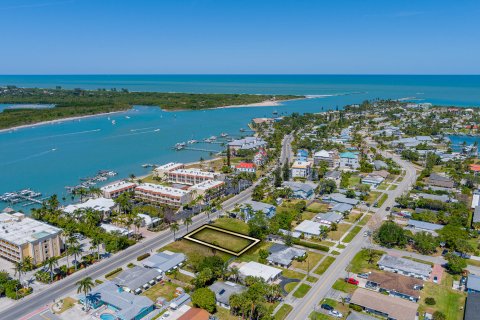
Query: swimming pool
[(107, 316)]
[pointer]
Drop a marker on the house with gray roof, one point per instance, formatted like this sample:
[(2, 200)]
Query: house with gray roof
[(179, 301), (283, 255), (472, 306), (473, 283), (164, 261), (329, 218), (224, 290), (342, 208), (360, 316), (440, 181), (333, 175), (137, 279), (126, 305), (417, 226), (300, 190), (476, 216), (405, 266), (443, 197), (340, 198), (249, 207), (379, 165)]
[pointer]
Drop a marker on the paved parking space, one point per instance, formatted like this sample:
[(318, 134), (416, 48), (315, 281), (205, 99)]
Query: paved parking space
[(437, 271)]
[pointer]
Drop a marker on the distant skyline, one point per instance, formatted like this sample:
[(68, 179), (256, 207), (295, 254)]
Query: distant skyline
[(239, 37)]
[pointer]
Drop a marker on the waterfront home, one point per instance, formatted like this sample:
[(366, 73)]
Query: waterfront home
[(124, 305), (255, 269), (308, 228), (161, 171), (300, 190), (329, 157), (162, 195), (224, 290), (22, 237), (301, 169), (164, 261), (190, 176), (329, 218), (249, 207), (103, 205), (282, 255), (472, 306), (248, 143), (113, 190), (405, 266), (137, 279), (349, 160), (395, 285), (246, 167), (383, 305), (473, 283), (440, 181)]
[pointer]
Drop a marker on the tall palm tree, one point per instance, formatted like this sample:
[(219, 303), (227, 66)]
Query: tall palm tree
[(51, 263), (97, 241), (85, 285), (19, 268), (234, 273), (174, 228), (71, 241), (187, 222), (75, 251), (137, 222), (28, 263)]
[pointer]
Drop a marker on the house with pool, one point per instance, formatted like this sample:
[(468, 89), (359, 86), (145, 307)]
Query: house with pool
[(113, 303)]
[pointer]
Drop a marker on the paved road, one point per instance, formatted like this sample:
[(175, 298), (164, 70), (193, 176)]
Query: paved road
[(305, 306)]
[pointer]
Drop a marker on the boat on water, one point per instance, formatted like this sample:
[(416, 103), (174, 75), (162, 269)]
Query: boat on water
[(114, 122), (242, 130), (156, 130), (223, 134), (213, 138), (127, 117), (192, 141), (275, 112)]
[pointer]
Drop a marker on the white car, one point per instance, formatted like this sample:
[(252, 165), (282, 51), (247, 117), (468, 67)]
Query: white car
[(335, 314)]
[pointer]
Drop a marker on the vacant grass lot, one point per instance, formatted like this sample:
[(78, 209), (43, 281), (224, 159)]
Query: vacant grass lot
[(448, 301), (372, 196), (354, 216), (283, 312), (301, 291), (253, 253), (165, 290), (308, 215), (222, 239), (324, 265), (353, 181), (194, 251), (360, 262), (343, 286), (341, 229), (349, 237), (232, 224), (310, 262), (318, 207)]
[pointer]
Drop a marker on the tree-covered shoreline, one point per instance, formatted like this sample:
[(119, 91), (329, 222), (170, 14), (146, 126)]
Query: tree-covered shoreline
[(79, 102)]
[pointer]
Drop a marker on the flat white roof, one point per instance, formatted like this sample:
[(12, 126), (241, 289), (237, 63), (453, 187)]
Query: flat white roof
[(194, 172), (156, 188), (118, 186), (18, 230), (309, 227), (169, 166), (98, 204), (111, 228), (256, 269), (208, 184), (301, 164)]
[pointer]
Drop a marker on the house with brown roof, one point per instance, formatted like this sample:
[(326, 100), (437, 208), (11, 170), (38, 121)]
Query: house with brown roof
[(384, 306), (395, 285), (195, 314)]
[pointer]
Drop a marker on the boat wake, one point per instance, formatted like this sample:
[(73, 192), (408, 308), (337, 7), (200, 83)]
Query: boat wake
[(142, 129), (36, 155)]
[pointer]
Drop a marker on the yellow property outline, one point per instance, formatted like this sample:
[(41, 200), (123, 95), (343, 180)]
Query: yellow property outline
[(207, 226)]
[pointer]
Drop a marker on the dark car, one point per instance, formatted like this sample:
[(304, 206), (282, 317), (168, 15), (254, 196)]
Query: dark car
[(326, 307), (387, 209)]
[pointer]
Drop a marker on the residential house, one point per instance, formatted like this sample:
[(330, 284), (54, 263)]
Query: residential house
[(246, 167), (391, 308), (405, 266), (395, 285), (302, 155), (476, 218), (148, 221), (103, 205), (124, 305), (300, 190), (417, 226), (224, 290), (472, 306), (329, 218), (329, 157), (137, 279), (283, 255), (248, 143), (260, 157), (339, 198), (255, 269), (164, 261), (309, 228), (110, 228), (249, 207), (349, 160), (179, 301), (473, 283), (372, 180), (302, 169), (360, 316), (379, 165), (442, 198), (195, 314), (334, 175), (440, 181), (343, 208)]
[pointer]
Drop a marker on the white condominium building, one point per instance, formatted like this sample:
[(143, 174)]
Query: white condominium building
[(158, 194), (161, 171), (22, 237), (208, 189), (189, 176), (113, 190)]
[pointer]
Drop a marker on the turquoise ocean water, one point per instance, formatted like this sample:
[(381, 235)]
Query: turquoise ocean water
[(48, 157)]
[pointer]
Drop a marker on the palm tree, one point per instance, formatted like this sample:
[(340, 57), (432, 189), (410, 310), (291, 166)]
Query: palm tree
[(97, 241), (19, 268), (174, 228), (51, 263), (85, 285), (188, 221), (28, 263), (71, 241), (234, 273), (137, 222), (75, 251)]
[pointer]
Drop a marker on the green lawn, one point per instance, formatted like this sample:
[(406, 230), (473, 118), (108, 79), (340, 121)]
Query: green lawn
[(349, 237), (372, 196), (319, 316), (341, 229), (308, 215), (393, 187), (365, 220), (353, 217), (253, 253), (309, 263), (302, 290), (342, 285), (360, 262), (165, 290), (283, 312), (312, 279), (353, 181), (290, 286), (448, 301), (222, 239), (318, 207), (382, 199), (232, 224), (382, 186), (324, 265), (224, 314), (292, 274), (194, 251)]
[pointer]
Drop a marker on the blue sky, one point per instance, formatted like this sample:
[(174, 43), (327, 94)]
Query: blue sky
[(241, 36)]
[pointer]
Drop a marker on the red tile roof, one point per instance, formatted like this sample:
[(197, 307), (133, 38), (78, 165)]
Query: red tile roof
[(246, 165)]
